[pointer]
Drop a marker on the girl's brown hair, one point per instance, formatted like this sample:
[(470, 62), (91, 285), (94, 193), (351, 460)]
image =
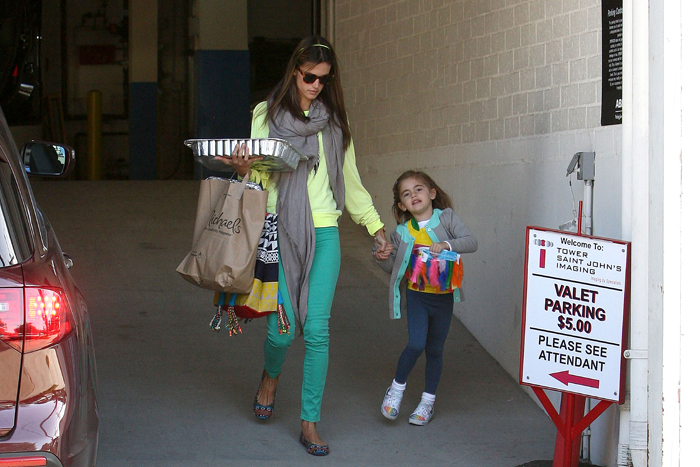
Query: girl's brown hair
[(442, 200), (311, 51)]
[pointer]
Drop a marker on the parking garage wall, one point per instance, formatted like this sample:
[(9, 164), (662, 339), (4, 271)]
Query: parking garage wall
[(493, 99)]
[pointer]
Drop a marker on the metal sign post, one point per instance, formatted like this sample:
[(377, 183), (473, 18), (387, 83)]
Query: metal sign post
[(585, 163)]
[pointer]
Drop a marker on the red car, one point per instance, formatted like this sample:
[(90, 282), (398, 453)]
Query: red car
[(48, 381)]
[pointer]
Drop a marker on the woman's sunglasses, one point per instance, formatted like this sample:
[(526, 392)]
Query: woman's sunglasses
[(310, 78)]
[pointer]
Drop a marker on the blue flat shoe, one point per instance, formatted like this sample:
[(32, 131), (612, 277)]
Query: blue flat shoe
[(263, 412), (314, 449)]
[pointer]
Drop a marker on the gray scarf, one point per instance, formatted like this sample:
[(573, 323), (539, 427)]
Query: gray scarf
[(295, 226)]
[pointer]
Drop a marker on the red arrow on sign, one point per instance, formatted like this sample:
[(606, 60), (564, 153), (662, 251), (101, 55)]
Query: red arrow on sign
[(566, 378)]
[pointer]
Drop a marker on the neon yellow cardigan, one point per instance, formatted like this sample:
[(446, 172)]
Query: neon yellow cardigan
[(324, 209)]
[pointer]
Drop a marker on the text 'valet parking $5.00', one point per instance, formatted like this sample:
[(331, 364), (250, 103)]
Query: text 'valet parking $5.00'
[(575, 303)]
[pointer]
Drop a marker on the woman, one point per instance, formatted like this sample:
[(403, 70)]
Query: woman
[(306, 109)]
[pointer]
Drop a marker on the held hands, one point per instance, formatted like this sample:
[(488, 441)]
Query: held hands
[(384, 248), (436, 248), (240, 159)]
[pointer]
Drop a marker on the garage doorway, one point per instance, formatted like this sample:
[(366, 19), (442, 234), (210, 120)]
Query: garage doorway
[(274, 29)]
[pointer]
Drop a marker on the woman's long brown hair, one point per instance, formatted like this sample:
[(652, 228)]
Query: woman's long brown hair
[(311, 51)]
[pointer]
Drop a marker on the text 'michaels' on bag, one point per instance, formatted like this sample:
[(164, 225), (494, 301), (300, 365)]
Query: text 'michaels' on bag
[(229, 221)]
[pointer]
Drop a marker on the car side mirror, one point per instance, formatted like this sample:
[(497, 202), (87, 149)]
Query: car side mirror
[(47, 159)]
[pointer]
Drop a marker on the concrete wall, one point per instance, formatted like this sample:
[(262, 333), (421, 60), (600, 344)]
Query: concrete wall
[(492, 98)]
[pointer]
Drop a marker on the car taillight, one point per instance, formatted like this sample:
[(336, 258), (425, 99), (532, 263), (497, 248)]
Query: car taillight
[(11, 313), (46, 318), (33, 461)]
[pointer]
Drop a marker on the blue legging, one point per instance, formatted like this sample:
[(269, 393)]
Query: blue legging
[(429, 317), (322, 281)]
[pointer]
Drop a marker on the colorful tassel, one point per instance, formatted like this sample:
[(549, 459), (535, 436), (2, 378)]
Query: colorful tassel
[(434, 275), (416, 269), (232, 324), (444, 272), (409, 268), (282, 320), (215, 322), (457, 273), (423, 275), (428, 268)]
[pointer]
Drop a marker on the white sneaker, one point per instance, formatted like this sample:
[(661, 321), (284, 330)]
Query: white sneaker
[(422, 415), (391, 403)]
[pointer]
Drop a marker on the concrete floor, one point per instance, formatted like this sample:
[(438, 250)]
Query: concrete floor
[(173, 393)]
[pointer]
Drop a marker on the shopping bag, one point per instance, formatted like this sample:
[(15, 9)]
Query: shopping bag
[(229, 221), (263, 298)]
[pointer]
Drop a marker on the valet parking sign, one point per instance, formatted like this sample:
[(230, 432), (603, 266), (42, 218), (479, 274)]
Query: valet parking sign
[(575, 309)]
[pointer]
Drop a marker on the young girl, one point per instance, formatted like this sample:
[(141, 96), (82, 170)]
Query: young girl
[(426, 221), (306, 109)]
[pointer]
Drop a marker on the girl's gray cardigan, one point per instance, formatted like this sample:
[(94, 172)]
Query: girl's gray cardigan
[(444, 225)]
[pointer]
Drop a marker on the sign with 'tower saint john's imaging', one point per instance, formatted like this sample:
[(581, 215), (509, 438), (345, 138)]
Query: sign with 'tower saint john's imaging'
[(575, 312)]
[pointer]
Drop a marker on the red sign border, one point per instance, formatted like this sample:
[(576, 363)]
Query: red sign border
[(625, 317)]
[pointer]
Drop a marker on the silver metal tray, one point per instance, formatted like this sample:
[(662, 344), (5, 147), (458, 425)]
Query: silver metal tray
[(278, 155)]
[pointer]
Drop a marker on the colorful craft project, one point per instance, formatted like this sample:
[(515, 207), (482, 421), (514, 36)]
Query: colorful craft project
[(443, 270)]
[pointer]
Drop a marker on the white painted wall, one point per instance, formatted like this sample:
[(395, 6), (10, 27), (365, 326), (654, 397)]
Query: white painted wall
[(492, 99), (689, 251), (674, 142)]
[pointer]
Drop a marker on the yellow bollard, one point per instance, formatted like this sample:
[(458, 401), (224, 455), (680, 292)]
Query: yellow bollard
[(94, 135)]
